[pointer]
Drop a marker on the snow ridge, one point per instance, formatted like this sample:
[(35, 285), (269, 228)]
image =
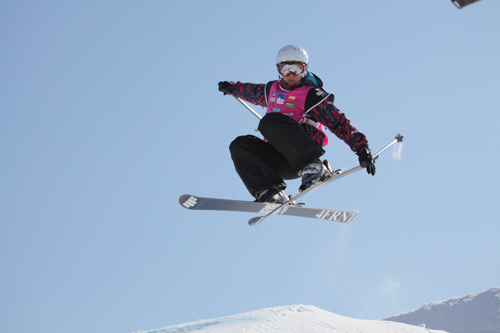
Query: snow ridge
[(473, 313)]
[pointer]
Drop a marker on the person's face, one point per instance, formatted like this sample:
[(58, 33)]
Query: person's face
[(292, 78), (292, 71)]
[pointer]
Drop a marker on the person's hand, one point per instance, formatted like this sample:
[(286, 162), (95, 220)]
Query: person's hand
[(366, 161), (225, 87)]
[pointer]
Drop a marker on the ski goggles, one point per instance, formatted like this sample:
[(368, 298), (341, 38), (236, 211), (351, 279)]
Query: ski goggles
[(295, 68)]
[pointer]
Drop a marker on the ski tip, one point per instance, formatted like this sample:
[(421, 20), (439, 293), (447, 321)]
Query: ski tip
[(399, 137), (256, 220), (188, 201)]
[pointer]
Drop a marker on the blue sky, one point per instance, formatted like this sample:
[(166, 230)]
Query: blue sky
[(109, 112)]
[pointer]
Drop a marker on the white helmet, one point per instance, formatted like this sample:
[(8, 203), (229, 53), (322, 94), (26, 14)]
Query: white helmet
[(292, 53)]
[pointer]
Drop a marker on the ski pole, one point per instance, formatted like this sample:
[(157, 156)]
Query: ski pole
[(248, 108), (398, 138)]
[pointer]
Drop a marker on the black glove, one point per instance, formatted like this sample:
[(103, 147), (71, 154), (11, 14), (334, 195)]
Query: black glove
[(366, 161), (225, 87)]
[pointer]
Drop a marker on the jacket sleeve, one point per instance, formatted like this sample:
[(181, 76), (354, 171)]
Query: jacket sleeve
[(327, 114), (250, 92)]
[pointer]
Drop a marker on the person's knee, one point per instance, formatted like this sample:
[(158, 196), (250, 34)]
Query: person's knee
[(240, 142)]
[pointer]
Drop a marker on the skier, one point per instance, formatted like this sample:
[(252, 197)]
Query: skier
[(297, 110)]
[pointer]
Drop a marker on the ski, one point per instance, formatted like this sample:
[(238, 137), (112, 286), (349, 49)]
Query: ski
[(201, 203), (256, 220)]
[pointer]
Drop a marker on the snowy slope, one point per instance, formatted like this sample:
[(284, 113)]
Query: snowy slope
[(474, 313), (291, 319)]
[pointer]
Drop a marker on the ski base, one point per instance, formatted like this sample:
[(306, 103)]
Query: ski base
[(202, 203)]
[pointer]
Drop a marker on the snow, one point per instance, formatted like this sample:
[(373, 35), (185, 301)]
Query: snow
[(474, 313), (291, 319)]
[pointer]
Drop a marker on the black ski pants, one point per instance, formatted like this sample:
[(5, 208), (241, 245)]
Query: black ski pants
[(263, 165)]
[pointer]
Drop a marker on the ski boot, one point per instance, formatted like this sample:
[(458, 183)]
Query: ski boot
[(272, 195), (315, 172)]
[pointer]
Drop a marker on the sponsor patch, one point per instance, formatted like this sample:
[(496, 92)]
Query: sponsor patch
[(290, 105), (321, 93), (291, 98), (281, 99)]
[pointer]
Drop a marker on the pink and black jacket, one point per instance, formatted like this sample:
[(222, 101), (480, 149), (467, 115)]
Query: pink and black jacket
[(303, 102)]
